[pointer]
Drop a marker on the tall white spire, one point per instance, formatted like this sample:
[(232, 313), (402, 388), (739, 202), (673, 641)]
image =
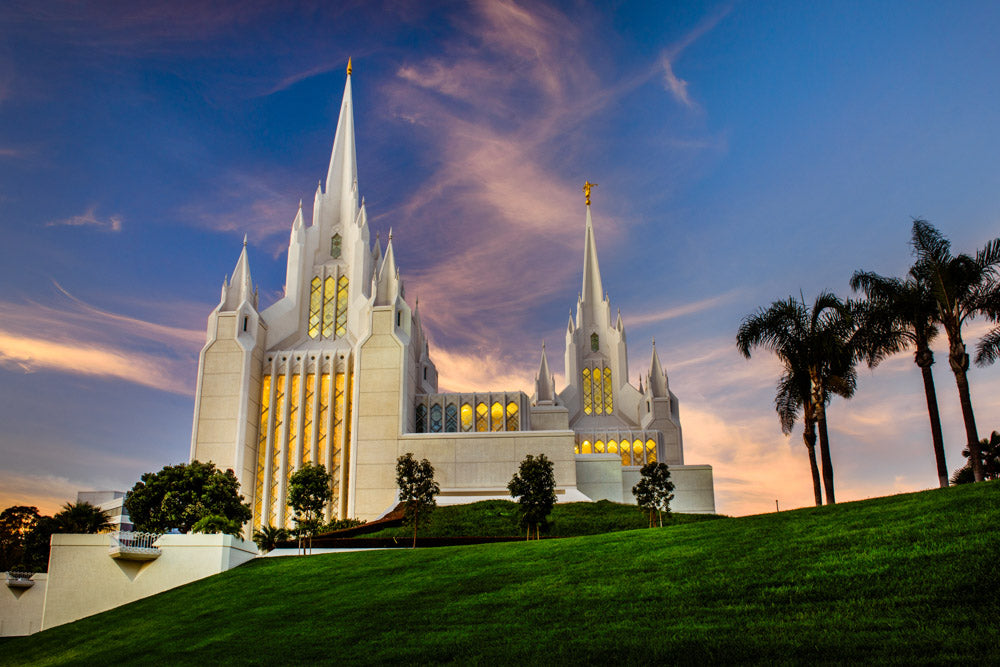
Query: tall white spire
[(240, 288), (593, 291), (545, 386), (343, 172), (657, 379), (387, 287)]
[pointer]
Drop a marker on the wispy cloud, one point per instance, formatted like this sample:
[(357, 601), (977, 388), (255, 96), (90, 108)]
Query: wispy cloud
[(685, 309), (89, 218), (77, 338), (677, 86)]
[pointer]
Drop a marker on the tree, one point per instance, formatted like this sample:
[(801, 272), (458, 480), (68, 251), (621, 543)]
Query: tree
[(417, 488), (308, 493), (178, 496), (215, 524), (16, 523), (654, 491), (961, 289), (267, 537), (794, 394), (534, 486), (816, 346), (81, 517), (989, 454), (898, 314)]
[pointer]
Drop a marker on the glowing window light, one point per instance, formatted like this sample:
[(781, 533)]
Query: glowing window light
[(293, 438), (512, 421), (650, 451), (315, 307), (329, 303), (307, 419), (626, 457), (342, 306), (265, 401), (279, 408), (585, 447), (612, 447), (588, 405), (637, 453), (466, 417), (339, 410), (599, 447), (324, 416), (608, 402), (598, 395), (482, 419), (496, 416)]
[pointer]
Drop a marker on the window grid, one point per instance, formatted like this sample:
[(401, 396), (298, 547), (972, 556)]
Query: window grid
[(482, 418), (608, 394), (436, 418), (588, 404), (265, 401), (598, 394), (512, 420), (315, 306), (307, 419), (451, 418), (279, 406), (329, 303), (342, 305)]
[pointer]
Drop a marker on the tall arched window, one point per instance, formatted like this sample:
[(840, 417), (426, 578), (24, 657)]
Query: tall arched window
[(609, 406), (466, 417), (598, 394), (421, 418), (496, 416), (595, 342), (637, 453), (329, 303), (612, 447), (482, 418), (512, 420), (585, 448), (277, 422), (315, 306), (588, 405), (451, 418), (342, 305), (436, 418), (650, 451), (265, 403), (335, 243)]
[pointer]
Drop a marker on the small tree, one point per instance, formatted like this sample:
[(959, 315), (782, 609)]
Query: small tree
[(417, 488), (267, 537), (654, 491), (16, 523), (81, 517), (989, 456), (534, 486), (178, 496), (214, 524), (308, 493)]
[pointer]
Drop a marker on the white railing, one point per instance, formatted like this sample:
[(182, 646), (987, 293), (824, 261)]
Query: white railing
[(126, 542)]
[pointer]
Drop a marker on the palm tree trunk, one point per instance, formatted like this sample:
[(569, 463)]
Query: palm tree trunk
[(809, 436), (824, 453), (959, 361), (932, 411)]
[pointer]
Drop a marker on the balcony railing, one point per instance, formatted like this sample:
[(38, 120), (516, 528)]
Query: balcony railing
[(133, 546)]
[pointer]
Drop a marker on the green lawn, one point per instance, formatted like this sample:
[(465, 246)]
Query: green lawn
[(499, 518), (905, 579)]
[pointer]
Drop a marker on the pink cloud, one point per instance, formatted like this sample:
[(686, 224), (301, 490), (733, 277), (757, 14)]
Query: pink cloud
[(89, 219)]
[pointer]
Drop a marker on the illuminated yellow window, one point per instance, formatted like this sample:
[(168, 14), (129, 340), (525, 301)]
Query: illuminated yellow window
[(599, 447), (586, 448), (342, 306), (588, 405), (466, 417), (576, 449), (512, 416), (315, 307), (626, 457), (598, 395), (329, 304), (496, 416), (307, 419), (612, 447), (324, 416), (608, 403), (637, 453), (276, 447), (650, 451), (294, 443), (265, 401), (482, 418), (339, 410)]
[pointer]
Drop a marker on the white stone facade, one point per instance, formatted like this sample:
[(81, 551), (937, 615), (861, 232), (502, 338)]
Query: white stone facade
[(338, 371)]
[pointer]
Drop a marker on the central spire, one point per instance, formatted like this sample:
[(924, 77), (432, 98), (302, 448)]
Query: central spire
[(593, 291), (343, 172)]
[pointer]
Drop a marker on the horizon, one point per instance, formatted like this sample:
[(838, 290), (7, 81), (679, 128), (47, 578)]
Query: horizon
[(742, 155)]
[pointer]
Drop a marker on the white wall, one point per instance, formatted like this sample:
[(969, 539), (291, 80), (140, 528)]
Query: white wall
[(21, 608), (83, 578)]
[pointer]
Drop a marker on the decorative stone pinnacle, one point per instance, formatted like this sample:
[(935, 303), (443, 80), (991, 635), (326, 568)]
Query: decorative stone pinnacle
[(587, 186)]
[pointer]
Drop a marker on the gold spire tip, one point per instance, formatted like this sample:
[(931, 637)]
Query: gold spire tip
[(348, 66), (587, 186)]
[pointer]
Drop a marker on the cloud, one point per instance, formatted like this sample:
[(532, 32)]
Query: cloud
[(84, 340), (685, 309), (89, 219), (46, 492), (677, 86)]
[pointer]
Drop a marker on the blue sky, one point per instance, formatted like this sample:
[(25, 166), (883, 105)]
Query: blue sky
[(743, 151)]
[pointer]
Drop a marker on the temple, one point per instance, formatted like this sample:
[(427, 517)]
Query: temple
[(338, 372)]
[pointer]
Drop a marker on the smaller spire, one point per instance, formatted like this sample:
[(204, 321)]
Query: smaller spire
[(657, 377), (544, 383), (240, 288)]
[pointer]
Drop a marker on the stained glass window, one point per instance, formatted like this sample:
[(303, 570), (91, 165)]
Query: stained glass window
[(482, 418), (585, 447), (293, 438), (598, 395), (626, 457), (595, 342), (342, 305), (421, 418), (307, 419), (339, 410), (650, 451), (496, 416), (436, 418), (637, 453), (612, 447), (599, 447), (512, 424), (588, 404), (279, 408), (608, 401), (451, 418), (466, 417), (324, 415), (329, 303), (265, 401), (315, 307), (335, 246)]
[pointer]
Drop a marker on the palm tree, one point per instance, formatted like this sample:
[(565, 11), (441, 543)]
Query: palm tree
[(898, 314), (793, 393), (81, 517), (961, 288), (268, 536), (813, 344)]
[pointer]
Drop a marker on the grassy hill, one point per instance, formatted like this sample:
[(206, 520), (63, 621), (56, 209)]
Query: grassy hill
[(909, 579)]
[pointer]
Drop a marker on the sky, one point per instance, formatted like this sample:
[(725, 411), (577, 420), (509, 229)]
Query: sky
[(743, 152)]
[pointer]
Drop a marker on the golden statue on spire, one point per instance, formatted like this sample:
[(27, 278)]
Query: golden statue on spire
[(348, 66), (587, 185)]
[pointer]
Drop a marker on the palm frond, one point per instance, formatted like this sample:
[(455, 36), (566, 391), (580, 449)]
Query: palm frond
[(988, 349)]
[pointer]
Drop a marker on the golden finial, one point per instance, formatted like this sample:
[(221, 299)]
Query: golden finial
[(348, 66), (586, 190)]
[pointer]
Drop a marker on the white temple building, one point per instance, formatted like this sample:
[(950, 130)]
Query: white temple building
[(338, 372)]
